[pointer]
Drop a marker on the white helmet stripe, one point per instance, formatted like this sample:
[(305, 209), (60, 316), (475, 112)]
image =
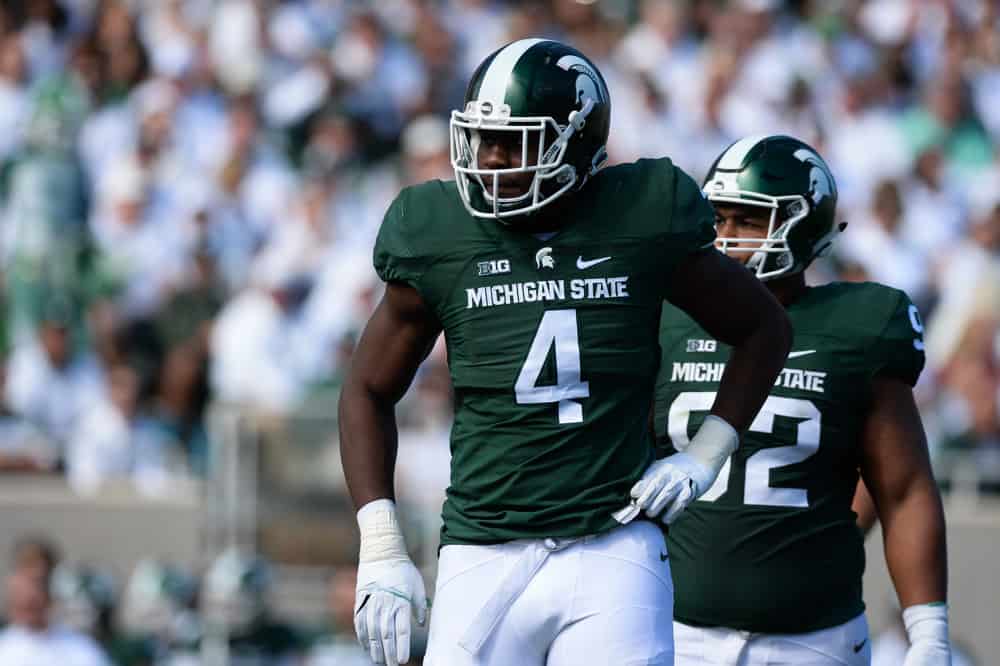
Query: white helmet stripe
[(734, 156), (494, 86)]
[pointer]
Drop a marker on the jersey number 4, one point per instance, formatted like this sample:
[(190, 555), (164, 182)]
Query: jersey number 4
[(558, 328), (757, 488)]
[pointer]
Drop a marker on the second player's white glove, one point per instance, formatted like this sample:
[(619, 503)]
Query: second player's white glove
[(669, 485), (927, 628), (390, 588)]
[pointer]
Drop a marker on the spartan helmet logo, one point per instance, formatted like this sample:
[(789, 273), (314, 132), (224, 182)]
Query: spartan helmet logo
[(543, 259), (819, 183), (587, 81)]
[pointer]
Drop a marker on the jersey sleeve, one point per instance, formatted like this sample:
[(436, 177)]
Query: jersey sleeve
[(692, 220), (898, 351), (397, 257)]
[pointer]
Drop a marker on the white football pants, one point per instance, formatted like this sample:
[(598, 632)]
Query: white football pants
[(603, 599), (847, 644)]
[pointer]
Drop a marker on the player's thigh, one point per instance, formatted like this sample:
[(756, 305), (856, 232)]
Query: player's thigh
[(847, 644), (707, 646), (467, 577), (622, 609)]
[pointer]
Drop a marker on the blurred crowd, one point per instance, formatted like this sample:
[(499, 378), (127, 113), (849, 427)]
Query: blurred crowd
[(58, 611), (190, 190)]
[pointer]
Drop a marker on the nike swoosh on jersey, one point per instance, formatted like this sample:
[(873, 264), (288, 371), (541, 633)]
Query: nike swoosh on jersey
[(805, 352), (857, 648), (584, 264)]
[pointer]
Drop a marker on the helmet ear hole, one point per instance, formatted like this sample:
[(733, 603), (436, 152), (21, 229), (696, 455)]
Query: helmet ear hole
[(795, 208)]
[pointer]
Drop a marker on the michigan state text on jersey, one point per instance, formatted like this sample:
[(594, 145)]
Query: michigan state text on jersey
[(768, 563), (546, 273)]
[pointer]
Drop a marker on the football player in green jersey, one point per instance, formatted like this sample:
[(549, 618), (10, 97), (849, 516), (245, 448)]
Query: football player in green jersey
[(547, 274), (767, 564)]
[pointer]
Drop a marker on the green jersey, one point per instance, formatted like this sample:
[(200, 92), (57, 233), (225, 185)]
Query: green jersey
[(772, 546), (552, 343)]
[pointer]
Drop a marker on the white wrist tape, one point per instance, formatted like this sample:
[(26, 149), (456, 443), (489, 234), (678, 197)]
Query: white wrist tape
[(713, 443), (926, 622), (381, 538)]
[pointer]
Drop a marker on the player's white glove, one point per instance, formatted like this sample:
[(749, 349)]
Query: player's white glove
[(927, 628), (669, 485), (389, 589)]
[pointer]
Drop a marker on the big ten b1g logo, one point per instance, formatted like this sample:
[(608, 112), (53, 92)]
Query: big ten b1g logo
[(493, 267), (701, 345)]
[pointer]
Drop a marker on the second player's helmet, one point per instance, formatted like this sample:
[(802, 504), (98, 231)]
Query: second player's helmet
[(788, 177), (557, 100)]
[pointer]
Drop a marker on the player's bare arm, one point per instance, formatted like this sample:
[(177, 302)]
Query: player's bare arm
[(394, 343), (753, 323), (397, 338), (896, 469)]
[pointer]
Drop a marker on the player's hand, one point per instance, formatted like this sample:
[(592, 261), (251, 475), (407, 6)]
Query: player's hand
[(667, 487), (389, 593)]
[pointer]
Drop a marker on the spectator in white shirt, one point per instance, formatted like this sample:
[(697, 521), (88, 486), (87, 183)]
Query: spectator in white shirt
[(13, 95), (113, 441), (260, 356), (31, 638), (936, 213), (50, 383), (876, 242), (23, 445)]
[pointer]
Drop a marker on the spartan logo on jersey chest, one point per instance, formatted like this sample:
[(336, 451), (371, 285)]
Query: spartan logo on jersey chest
[(493, 267), (543, 259), (701, 345)]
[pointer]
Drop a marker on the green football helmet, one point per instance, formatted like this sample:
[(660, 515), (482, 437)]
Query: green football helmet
[(791, 179), (557, 100)]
